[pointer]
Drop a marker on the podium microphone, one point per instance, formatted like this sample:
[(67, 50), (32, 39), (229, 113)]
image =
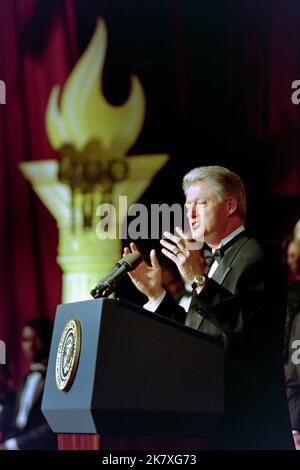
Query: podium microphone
[(107, 285)]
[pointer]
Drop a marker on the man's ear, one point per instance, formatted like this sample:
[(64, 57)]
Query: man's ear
[(231, 205)]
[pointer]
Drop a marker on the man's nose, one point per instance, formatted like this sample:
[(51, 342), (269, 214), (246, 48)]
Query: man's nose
[(194, 211), (191, 210)]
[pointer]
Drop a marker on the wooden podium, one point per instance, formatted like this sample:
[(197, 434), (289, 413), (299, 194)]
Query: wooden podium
[(141, 382), (95, 442)]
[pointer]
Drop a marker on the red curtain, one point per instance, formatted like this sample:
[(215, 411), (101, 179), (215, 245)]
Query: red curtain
[(38, 49), (31, 279), (263, 60)]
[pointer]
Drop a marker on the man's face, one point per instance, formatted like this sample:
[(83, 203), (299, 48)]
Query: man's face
[(207, 213), (293, 257), (32, 345)]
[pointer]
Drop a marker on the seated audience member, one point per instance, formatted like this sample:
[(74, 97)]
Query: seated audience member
[(171, 279), (293, 380), (28, 428)]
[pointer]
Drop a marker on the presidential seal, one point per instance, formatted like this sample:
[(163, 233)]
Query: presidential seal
[(68, 355)]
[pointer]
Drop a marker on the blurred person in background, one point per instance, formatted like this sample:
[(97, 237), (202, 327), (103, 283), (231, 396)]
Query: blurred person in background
[(291, 252), (171, 279), (28, 429)]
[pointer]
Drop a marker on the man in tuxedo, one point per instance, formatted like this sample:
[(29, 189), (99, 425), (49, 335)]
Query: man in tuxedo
[(239, 292), (28, 429)]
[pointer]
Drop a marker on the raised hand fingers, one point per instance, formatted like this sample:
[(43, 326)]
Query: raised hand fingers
[(173, 252), (182, 234), (153, 259), (179, 242), (172, 248), (169, 255), (133, 247), (189, 243), (126, 250), (173, 238)]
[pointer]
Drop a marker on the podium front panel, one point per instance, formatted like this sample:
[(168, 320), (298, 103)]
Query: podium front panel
[(137, 374)]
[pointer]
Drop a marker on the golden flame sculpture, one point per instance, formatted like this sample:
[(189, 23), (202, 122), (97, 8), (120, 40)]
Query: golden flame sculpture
[(86, 115), (83, 116)]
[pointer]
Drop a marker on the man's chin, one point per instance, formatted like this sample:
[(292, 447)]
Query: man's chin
[(198, 236)]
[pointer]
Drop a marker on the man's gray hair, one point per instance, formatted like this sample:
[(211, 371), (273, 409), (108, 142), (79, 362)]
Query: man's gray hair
[(222, 181)]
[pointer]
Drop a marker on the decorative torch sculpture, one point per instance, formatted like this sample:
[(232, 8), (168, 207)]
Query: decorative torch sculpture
[(93, 138), (297, 231)]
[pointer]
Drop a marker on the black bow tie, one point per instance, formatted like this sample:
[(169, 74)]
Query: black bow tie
[(210, 257), (219, 252)]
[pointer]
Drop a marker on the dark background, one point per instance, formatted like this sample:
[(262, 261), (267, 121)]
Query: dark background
[(217, 77)]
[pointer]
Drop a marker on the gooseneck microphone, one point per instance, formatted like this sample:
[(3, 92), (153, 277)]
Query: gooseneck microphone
[(107, 285)]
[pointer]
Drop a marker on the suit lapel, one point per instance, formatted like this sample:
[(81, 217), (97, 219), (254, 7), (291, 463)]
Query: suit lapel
[(224, 266), (223, 269), (19, 392), (38, 390)]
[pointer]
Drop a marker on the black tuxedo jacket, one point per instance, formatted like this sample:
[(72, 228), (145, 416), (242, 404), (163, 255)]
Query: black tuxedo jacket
[(246, 300), (293, 378), (37, 433), (7, 405)]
